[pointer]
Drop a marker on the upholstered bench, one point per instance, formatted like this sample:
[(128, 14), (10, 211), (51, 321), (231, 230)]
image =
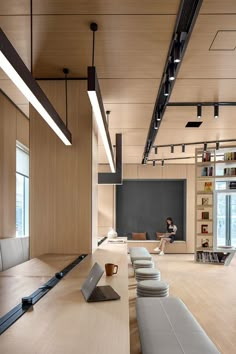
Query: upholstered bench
[(166, 326), (139, 253)]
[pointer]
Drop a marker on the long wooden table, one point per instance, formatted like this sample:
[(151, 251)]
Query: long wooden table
[(62, 321)]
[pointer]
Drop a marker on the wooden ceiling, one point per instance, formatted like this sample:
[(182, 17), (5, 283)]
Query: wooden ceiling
[(132, 43)]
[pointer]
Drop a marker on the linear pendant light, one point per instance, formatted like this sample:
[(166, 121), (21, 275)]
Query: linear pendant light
[(99, 113), (17, 71), (95, 97)]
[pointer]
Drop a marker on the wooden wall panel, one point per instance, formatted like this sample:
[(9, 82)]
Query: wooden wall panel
[(7, 168), (148, 172), (22, 129), (106, 215), (61, 177)]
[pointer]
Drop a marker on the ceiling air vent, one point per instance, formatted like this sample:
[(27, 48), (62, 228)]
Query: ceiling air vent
[(193, 124)]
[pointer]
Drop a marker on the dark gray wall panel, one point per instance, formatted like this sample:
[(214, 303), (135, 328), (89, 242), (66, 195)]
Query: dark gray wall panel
[(144, 205)]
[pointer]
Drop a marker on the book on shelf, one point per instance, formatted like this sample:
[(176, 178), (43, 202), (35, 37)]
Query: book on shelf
[(208, 187), (204, 229), (232, 185), (205, 215), (229, 156), (205, 242), (206, 156), (205, 201), (231, 171), (207, 171)]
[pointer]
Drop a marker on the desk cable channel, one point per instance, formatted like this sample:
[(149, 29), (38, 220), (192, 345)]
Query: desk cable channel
[(26, 302)]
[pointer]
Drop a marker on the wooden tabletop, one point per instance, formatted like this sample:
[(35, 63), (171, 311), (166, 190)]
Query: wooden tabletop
[(63, 322)]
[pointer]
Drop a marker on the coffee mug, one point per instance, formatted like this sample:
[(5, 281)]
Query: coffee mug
[(111, 269)]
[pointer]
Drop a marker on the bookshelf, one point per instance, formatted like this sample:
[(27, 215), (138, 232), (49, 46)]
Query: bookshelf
[(212, 166)]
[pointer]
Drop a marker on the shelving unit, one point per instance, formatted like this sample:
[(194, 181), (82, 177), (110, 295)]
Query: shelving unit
[(212, 166)]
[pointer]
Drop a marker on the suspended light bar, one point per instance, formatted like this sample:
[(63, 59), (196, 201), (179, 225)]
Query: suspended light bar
[(183, 147), (17, 71), (153, 163), (95, 97)]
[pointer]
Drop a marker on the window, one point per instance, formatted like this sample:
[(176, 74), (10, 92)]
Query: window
[(22, 191)]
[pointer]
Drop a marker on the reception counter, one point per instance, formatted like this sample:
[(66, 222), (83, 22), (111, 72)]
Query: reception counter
[(62, 321)]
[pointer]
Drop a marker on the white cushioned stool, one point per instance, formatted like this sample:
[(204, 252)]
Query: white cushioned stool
[(152, 288), (147, 274), (138, 253), (143, 264)]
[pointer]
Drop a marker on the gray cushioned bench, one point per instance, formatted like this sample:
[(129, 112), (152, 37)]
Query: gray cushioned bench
[(13, 251), (166, 326), (139, 253)]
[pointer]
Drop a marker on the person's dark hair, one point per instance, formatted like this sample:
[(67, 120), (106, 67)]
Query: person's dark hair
[(171, 221)]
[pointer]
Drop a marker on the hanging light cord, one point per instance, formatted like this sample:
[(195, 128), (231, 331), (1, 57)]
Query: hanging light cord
[(66, 71), (93, 27), (31, 37)]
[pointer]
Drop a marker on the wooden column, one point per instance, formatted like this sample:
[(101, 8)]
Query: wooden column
[(63, 179), (7, 168)]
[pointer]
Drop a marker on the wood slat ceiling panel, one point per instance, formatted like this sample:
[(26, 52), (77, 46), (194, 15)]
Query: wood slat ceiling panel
[(129, 116), (17, 29), (129, 91), (218, 6), (105, 7), (126, 46), (15, 7), (201, 62), (200, 90)]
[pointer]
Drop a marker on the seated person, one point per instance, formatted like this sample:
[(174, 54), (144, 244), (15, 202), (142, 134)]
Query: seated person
[(169, 236)]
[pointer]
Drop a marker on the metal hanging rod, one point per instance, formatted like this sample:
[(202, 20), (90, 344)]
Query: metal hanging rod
[(195, 104), (195, 143)]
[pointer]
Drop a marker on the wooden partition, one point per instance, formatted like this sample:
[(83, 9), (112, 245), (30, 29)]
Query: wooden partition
[(63, 179), (106, 202), (13, 126)]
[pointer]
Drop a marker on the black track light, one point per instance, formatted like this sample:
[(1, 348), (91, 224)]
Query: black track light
[(199, 111), (217, 145), (177, 53), (153, 163), (172, 149), (162, 163), (167, 88), (205, 146), (183, 148), (171, 71), (155, 125), (155, 150), (158, 115), (216, 110)]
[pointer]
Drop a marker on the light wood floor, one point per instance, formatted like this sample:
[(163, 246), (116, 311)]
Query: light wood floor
[(209, 291)]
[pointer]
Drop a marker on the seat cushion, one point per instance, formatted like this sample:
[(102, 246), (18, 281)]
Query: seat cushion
[(139, 236), (167, 326), (12, 252)]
